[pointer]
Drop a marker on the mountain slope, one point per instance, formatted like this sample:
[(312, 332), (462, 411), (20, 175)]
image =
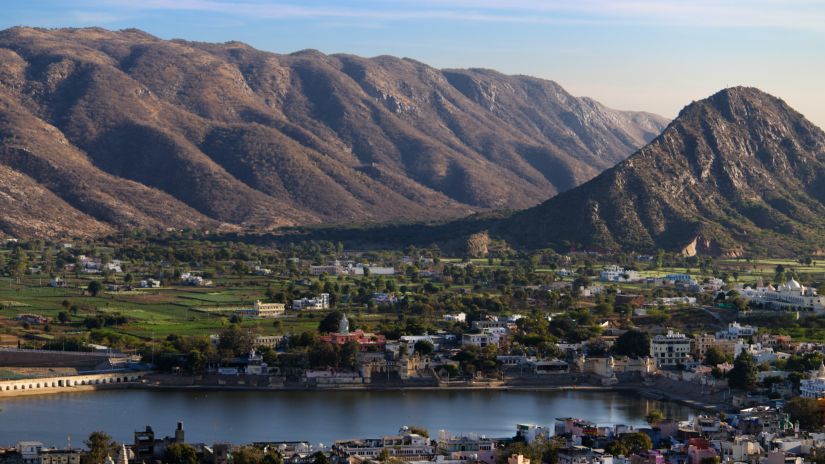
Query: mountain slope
[(133, 131), (738, 172)]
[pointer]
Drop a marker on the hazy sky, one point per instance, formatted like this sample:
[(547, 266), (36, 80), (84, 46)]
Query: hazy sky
[(654, 55)]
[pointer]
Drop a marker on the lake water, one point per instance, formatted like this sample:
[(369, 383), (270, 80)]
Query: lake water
[(317, 417)]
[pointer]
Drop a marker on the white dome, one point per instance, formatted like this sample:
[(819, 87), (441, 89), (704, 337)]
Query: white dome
[(793, 284)]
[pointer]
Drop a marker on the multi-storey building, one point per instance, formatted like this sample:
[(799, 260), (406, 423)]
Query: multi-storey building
[(670, 349)]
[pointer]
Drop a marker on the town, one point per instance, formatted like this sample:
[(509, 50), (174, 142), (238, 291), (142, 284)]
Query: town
[(738, 340)]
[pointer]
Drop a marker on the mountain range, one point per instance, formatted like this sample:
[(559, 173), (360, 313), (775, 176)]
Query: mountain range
[(104, 131), (740, 173)]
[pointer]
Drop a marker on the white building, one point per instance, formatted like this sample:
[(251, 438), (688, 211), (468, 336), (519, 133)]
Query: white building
[(405, 446), (30, 451), (194, 280), (479, 340), (736, 330), (358, 269), (335, 269), (319, 302), (460, 317), (617, 274), (676, 300), (149, 283), (670, 349), (791, 296), (814, 387)]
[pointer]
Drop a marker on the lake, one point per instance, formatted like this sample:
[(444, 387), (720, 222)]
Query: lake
[(317, 417)]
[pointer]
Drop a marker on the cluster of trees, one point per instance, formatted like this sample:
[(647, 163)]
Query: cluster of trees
[(473, 359), (629, 443), (538, 451), (743, 375), (809, 412), (101, 320)]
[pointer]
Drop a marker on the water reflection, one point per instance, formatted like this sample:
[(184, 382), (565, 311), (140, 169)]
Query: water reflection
[(243, 417)]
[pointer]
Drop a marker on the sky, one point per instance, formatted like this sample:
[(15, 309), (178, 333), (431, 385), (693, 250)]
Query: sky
[(652, 55)]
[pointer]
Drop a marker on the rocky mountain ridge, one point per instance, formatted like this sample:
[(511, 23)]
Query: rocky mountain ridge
[(102, 131), (738, 172)]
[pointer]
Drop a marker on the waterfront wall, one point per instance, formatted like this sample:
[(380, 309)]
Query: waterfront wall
[(41, 358), (68, 383)]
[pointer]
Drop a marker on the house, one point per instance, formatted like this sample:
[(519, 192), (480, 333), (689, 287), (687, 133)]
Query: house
[(60, 456), (149, 283), (147, 448), (405, 445), (676, 300), (57, 282), (334, 269), (194, 280), (699, 449), (550, 366), (518, 459), (670, 349), (359, 269), (30, 451), (32, 318), (479, 340), (268, 341), (468, 446), (730, 347), (315, 303), (615, 273), (736, 331), (262, 271), (814, 386), (460, 317), (742, 448), (380, 298), (267, 310)]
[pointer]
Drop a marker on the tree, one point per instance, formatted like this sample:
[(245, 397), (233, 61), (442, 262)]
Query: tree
[(714, 356), (63, 317), (180, 453), (579, 283), (324, 355), (320, 458), (94, 288), (235, 342), (808, 411), (654, 417), (743, 374), (616, 448), (19, 262), (331, 322), (349, 355), (100, 445), (247, 455), (633, 343), (424, 347), (636, 442), (417, 429)]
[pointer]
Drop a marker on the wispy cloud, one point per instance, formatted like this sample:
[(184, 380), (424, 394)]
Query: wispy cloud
[(808, 14)]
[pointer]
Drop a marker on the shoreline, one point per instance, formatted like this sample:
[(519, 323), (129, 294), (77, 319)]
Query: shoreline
[(644, 391)]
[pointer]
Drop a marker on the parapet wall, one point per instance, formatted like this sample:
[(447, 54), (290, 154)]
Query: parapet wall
[(37, 358)]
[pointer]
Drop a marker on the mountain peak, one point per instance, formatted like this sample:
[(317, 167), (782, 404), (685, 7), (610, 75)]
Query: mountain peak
[(739, 171)]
